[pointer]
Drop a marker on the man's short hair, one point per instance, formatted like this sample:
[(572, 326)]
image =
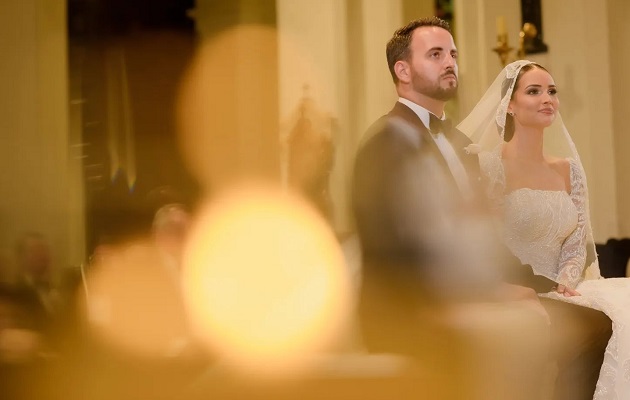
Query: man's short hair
[(398, 46)]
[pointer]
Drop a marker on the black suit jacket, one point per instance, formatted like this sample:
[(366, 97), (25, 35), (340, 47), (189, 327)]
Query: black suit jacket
[(400, 179), (401, 186)]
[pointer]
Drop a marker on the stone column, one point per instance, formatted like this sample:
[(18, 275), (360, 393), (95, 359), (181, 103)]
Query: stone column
[(41, 182)]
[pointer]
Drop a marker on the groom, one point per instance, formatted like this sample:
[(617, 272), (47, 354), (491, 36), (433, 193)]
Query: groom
[(411, 173)]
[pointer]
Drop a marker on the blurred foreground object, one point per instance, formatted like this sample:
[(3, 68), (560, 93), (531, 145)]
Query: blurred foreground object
[(228, 108), (18, 345), (265, 282), (474, 352), (133, 302)]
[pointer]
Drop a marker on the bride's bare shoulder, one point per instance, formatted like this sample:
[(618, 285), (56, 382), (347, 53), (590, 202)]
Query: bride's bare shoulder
[(562, 166)]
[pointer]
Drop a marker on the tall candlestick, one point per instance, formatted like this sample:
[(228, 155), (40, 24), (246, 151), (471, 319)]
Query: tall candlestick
[(502, 48), (501, 25)]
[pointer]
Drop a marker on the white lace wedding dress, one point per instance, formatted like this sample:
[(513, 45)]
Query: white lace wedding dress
[(547, 230)]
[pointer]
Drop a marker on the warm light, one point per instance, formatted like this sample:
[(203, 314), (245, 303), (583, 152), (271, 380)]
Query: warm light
[(264, 281), (227, 107), (133, 302)]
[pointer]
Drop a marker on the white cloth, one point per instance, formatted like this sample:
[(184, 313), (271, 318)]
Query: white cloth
[(551, 230)]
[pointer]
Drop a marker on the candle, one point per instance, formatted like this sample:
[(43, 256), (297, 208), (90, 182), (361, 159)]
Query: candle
[(501, 25)]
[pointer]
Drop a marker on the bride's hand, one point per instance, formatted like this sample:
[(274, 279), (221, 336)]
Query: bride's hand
[(566, 291)]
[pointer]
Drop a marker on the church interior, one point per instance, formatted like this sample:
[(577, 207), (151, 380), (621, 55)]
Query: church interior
[(126, 123)]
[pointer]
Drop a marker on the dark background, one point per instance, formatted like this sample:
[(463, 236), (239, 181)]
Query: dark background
[(157, 38)]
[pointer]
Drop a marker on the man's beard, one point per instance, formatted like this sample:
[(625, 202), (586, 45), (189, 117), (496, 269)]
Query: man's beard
[(433, 89)]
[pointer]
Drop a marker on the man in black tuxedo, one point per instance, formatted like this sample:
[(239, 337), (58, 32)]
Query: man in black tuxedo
[(412, 173)]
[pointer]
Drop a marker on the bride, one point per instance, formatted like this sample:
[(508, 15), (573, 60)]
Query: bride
[(538, 186)]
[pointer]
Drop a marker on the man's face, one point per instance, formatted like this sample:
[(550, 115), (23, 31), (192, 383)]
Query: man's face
[(433, 63)]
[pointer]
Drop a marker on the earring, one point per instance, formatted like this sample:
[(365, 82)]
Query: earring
[(511, 113)]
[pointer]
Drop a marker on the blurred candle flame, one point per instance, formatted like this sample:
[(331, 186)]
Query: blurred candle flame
[(264, 281)]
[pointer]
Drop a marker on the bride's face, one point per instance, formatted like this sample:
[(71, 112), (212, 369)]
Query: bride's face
[(535, 99)]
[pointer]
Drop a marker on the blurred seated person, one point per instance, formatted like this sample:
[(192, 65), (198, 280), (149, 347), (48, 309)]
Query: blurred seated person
[(35, 274), (141, 277), (170, 227)]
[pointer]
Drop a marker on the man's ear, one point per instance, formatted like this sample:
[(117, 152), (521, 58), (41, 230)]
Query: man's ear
[(403, 71)]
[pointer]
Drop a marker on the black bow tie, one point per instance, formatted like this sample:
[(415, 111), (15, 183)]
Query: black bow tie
[(437, 125)]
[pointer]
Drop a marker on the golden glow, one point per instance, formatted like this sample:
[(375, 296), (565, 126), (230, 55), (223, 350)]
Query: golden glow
[(264, 281), (227, 108), (134, 303)]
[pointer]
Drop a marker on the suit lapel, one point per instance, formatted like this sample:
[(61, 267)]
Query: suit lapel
[(458, 140), (402, 111)]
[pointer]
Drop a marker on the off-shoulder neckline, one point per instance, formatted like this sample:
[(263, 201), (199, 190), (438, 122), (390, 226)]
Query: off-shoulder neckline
[(571, 176)]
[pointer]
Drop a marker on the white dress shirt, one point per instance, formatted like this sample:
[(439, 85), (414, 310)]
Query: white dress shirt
[(446, 148)]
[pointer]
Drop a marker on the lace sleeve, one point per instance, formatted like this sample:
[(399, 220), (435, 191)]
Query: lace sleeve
[(573, 252)]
